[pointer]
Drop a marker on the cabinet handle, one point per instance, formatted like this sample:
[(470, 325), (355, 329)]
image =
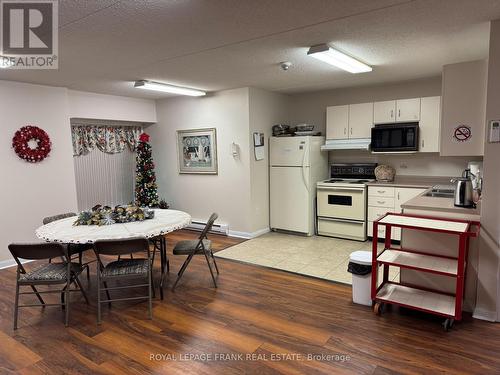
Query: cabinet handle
[(422, 143), (380, 202), (351, 130), (399, 113), (381, 191), (345, 130), (392, 113), (398, 195)]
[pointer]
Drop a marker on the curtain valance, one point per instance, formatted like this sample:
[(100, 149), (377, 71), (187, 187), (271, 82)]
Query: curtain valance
[(108, 139)]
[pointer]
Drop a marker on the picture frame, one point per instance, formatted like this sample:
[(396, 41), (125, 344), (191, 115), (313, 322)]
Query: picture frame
[(197, 151)]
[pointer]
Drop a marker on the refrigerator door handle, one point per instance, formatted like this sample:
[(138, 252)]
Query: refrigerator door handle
[(304, 179)]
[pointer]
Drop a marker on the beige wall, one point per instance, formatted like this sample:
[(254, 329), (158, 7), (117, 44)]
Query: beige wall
[(418, 164), (311, 107), (265, 110), (227, 193), (28, 191), (488, 303), (110, 107)]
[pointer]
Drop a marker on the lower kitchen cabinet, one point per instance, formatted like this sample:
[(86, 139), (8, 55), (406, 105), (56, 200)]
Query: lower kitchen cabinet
[(383, 199)]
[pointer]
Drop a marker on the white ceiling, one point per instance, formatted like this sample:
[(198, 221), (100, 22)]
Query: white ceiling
[(221, 44)]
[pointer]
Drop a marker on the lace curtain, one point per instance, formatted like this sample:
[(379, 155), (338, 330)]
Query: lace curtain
[(108, 139)]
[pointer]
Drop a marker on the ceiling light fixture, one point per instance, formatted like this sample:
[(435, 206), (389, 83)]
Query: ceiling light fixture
[(163, 87), (339, 59)]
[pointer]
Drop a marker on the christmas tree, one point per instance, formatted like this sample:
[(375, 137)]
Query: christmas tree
[(146, 190)]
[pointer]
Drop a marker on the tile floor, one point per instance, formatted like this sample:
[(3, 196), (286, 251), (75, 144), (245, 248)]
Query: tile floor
[(316, 256)]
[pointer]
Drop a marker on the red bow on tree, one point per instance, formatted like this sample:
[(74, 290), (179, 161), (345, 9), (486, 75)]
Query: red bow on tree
[(144, 137)]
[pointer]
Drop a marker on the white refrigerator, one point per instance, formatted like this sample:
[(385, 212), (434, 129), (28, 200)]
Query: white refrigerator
[(295, 165)]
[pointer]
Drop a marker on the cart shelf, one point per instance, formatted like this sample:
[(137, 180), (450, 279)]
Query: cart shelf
[(425, 223), (421, 262), (432, 302)]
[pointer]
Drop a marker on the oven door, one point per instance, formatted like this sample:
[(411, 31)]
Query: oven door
[(342, 202)]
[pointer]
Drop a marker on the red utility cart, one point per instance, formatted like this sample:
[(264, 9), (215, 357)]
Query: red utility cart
[(412, 296)]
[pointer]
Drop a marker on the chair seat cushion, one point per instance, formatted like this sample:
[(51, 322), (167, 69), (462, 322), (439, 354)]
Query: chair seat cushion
[(187, 246), (50, 272), (126, 267)]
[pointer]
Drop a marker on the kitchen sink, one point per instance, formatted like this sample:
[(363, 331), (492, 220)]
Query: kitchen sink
[(439, 192)]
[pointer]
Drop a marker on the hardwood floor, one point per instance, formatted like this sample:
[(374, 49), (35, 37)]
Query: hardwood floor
[(278, 322)]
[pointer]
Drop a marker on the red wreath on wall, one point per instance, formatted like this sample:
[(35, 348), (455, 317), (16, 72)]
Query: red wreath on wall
[(31, 144)]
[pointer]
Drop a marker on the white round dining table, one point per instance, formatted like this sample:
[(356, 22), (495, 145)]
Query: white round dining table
[(164, 221)]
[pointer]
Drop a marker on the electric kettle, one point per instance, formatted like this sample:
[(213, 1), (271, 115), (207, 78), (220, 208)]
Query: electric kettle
[(463, 190)]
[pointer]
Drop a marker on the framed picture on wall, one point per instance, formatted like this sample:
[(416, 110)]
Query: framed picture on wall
[(197, 151)]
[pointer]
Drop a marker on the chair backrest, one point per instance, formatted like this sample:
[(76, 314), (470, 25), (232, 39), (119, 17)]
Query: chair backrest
[(209, 225), (50, 219), (121, 247), (37, 251)]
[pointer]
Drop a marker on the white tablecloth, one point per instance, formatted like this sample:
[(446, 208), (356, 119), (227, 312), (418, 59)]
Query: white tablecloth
[(165, 221)]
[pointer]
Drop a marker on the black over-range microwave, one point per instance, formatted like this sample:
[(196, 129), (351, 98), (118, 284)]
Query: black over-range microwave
[(395, 137)]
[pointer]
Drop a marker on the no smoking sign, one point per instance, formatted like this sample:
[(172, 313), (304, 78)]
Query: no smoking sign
[(462, 133)]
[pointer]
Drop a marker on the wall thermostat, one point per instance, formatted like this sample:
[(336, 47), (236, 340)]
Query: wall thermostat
[(494, 131)]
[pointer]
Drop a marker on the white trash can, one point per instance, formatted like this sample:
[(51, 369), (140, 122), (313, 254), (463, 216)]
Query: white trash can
[(360, 266)]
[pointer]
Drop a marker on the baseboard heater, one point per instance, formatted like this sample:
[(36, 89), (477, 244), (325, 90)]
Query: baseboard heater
[(198, 225)]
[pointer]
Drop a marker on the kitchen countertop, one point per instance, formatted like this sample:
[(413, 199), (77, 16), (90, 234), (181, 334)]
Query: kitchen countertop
[(421, 202), (414, 181)]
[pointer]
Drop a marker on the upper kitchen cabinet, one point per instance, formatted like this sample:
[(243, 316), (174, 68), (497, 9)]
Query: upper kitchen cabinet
[(337, 122), (360, 120), (403, 110), (384, 112), (408, 110), (430, 124), (463, 108)]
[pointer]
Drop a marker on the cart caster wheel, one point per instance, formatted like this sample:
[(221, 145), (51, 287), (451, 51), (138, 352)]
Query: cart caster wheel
[(447, 324), (378, 308)]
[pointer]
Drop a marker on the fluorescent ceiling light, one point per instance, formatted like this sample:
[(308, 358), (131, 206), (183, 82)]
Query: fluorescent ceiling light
[(339, 59), (163, 87)]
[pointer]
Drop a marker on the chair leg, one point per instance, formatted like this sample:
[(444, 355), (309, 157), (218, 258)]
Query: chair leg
[(66, 292), (215, 263), (63, 298), (16, 305), (152, 281), (181, 271), (150, 301), (77, 280), (38, 295), (98, 296), (107, 292), (210, 268)]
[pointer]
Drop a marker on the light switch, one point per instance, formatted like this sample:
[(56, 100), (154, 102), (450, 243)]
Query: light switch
[(494, 131)]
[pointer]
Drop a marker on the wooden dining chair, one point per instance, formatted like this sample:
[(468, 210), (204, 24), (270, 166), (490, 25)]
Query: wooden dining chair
[(201, 246), (65, 273), (123, 269)]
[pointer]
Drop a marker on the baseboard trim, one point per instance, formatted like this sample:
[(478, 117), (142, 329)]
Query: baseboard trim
[(490, 316), (248, 235), (11, 263)]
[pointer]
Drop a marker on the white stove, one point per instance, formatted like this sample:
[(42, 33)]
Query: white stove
[(342, 201)]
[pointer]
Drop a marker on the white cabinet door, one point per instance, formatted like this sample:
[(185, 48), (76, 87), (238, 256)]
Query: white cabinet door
[(408, 110), (384, 112), (403, 195), (337, 122), (430, 124), (360, 120)]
